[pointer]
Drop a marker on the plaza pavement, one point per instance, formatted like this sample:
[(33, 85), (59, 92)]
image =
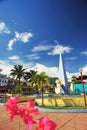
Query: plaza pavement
[(65, 120)]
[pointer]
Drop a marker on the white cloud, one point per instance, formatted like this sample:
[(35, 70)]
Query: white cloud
[(14, 57), (60, 49), (70, 75), (84, 69), (41, 48), (23, 37), (54, 49), (50, 71), (11, 42), (6, 67), (84, 53), (4, 28), (32, 56), (15, 60), (71, 58)]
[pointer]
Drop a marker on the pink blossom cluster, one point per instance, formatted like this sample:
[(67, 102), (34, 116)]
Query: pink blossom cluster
[(26, 111)]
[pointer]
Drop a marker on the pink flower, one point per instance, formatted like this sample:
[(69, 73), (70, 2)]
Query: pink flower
[(26, 111), (46, 124), (29, 121), (12, 107), (30, 107), (22, 110)]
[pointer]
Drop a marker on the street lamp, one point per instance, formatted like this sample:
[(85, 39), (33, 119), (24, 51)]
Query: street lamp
[(43, 85), (84, 94)]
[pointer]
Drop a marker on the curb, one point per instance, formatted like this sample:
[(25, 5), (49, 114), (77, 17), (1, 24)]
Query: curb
[(71, 111)]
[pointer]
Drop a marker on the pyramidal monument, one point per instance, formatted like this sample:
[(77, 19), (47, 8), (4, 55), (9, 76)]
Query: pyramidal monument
[(62, 75)]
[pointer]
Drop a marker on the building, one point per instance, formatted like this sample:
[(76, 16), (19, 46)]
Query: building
[(3, 82), (79, 84)]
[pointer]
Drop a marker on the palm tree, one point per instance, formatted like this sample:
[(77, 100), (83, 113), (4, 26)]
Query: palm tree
[(38, 80), (33, 73), (17, 72), (43, 80), (27, 76)]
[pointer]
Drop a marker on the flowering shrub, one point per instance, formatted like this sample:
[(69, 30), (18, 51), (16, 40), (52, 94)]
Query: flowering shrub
[(26, 111)]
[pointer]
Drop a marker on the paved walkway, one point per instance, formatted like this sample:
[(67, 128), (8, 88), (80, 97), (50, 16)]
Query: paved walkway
[(64, 120)]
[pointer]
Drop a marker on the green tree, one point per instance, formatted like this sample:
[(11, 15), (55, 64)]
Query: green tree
[(29, 77), (74, 79), (32, 76), (43, 80), (17, 72), (38, 80)]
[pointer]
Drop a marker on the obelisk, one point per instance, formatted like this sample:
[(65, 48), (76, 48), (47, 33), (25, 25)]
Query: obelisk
[(62, 75)]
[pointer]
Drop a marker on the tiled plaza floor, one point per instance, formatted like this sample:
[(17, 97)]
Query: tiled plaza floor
[(65, 121)]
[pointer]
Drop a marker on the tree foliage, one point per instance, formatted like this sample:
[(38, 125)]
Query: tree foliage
[(18, 72), (36, 80)]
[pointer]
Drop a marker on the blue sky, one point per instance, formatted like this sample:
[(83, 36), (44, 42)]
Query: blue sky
[(33, 32)]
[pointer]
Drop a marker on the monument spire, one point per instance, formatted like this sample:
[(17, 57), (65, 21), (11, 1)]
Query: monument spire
[(62, 75)]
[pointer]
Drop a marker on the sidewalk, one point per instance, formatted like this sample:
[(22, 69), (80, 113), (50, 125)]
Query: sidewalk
[(64, 120)]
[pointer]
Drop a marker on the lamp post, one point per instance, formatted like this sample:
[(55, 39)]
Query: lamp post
[(84, 94), (43, 85)]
